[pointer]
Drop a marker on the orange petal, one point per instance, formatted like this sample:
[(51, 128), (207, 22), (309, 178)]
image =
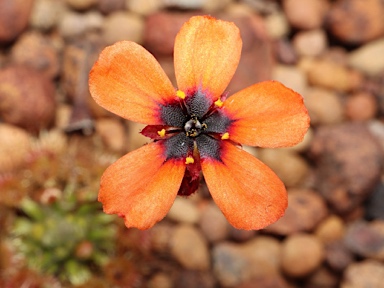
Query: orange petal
[(141, 186), (248, 192), (267, 114), (207, 52), (128, 81)]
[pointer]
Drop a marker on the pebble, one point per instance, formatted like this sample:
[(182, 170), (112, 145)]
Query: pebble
[(30, 103), (322, 278), (338, 152), (355, 21), (15, 145), (301, 255), (284, 52), (367, 273), (184, 211), (160, 236), (306, 14), (81, 4), (37, 51), (306, 209), (331, 229), (112, 133), (338, 256), (290, 167), (160, 280), (192, 279), (213, 223), (366, 239), (310, 43), (123, 26), (14, 17), (109, 6), (367, 58), (189, 247), (212, 6), (144, 7), (46, 14), (324, 106), (361, 106), (291, 77), (72, 24), (277, 25)]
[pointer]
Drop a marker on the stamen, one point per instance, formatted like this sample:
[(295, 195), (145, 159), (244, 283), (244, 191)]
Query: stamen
[(225, 136), (189, 160), (161, 132), (180, 94), (219, 103)]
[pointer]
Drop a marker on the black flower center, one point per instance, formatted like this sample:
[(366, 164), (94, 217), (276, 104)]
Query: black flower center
[(193, 127)]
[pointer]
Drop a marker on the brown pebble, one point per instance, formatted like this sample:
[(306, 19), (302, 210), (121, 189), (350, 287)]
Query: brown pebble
[(361, 106), (213, 223), (368, 273), (356, 21), (305, 210), (301, 255), (109, 6), (331, 229), (310, 43), (14, 17), (112, 133), (338, 256), (322, 278), (29, 103), (81, 4), (184, 210)]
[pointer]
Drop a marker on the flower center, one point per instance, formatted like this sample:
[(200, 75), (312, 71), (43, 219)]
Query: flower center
[(193, 127)]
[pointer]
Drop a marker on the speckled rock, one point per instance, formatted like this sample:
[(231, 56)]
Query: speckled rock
[(366, 239), (184, 210), (324, 106), (331, 229), (289, 166), (338, 152), (367, 58), (213, 223), (356, 21), (368, 273), (305, 14), (189, 248), (123, 26), (37, 51), (14, 17), (301, 255), (46, 14), (310, 43), (361, 106), (305, 210)]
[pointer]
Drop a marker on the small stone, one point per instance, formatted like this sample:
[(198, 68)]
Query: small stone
[(160, 236), (14, 17), (72, 24), (361, 106), (331, 229), (324, 106), (213, 223), (290, 167), (212, 6), (189, 248), (366, 239), (144, 7), (356, 21), (332, 75), (285, 53), (338, 154), (29, 103), (120, 26), (184, 211), (160, 280), (46, 14), (338, 256), (322, 278), (240, 235), (112, 132), (310, 43), (37, 51), (306, 14), (301, 255), (193, 279), (305, 210), (184, 4), (109, 6), (277, 25), (81, 4), (291, 77), (368, 273), (365, 58)]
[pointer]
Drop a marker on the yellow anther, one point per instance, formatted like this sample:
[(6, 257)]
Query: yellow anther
[(219, 103), (180, 94), (225, 136), (189, 160), (161, 132)]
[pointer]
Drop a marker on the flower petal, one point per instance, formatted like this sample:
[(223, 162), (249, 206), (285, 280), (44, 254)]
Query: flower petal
[(128, 81), (248, 192), (207, 52), (267, 114), (141, 186)]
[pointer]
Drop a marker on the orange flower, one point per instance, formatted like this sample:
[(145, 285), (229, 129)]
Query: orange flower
[(195, 128)]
